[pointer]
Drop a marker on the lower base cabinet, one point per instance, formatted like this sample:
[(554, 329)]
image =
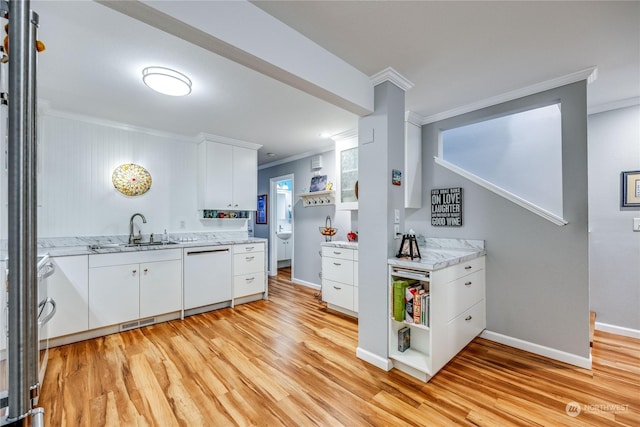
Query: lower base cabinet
[(340, 279), (249, 276), (121, 290), (69, 288), (454, 315)]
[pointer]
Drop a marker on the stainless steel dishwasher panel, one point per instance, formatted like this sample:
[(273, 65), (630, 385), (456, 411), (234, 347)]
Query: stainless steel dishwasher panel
[(207, 276)]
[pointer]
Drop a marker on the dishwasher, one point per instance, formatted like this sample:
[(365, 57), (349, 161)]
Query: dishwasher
[(207, 276)]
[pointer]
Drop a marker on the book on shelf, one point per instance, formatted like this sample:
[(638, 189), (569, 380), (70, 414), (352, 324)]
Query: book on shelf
[(409, 302), (417, 306), (399, 287), (404, 339)]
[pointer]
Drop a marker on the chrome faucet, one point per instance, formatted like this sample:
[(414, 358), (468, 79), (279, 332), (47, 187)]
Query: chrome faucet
[(133, 238)]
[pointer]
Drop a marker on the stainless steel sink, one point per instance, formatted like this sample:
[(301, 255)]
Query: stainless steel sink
[(128, 245)]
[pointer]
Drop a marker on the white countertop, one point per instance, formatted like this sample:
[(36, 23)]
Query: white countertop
[(340, 244), (439, 253)]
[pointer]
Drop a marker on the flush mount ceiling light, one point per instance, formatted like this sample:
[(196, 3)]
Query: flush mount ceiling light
[(166, 81)]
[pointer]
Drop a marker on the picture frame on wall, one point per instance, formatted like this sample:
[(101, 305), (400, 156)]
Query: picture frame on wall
[(630, 197), (261, 211)]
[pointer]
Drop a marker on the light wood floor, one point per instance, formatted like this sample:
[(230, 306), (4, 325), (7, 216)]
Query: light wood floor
[(288, 361)]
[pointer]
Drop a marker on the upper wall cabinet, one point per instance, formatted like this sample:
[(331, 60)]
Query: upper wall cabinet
[(347, 170), (347, 166), (412, 161), (227, 174)]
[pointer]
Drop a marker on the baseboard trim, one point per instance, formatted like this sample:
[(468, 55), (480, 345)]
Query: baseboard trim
[(552, 353), (377, 361), (305, 283), (618, 330)]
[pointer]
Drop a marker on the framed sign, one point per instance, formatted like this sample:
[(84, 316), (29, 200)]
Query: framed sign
[(261, 212), (630, 189), (446, 207)]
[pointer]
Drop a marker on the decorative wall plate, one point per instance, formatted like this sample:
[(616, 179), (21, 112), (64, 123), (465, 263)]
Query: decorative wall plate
[(131, 179)]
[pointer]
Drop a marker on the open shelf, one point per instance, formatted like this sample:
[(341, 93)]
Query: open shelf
[(318, 198)]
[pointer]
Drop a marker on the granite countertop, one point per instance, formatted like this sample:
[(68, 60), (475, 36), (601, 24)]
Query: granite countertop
[(440, 253), (85, 245), (340, 244)]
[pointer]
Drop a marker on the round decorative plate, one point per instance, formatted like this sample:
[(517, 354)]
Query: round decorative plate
[(131, 179)]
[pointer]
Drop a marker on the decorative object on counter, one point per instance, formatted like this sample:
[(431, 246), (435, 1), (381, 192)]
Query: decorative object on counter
[(261, 213), (396, 177), (329, 186), (318, 198), (446, 207), (409, 247), (352, 237), (318, 183), (211, 214), (131, 179), (328, 231), (630, 189)]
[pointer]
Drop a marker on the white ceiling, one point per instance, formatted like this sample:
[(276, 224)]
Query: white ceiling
[(456, 53)]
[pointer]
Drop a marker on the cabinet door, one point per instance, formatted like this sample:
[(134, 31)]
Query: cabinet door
[(215, 176), (347, 167), (113, 295), (282, 249), (69, 287), (160, 287), (245, 179)]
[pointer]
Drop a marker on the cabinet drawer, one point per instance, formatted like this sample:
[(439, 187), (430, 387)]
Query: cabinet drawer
[(459, 295), (248, 247), (248, 284), (340, 253), (457, 271), (337, 270), (252, 262), (461, 330), (337, 294)]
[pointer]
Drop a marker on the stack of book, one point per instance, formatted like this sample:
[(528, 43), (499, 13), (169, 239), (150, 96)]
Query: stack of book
[(411, 302)]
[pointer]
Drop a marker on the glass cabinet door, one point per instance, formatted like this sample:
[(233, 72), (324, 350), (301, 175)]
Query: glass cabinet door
[(347, 168)]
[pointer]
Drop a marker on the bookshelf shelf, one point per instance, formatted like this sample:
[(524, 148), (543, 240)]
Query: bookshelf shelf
[(456, 315)]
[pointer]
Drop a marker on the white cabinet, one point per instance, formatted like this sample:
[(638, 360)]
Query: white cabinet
[(131, 285), (456, 315), (284, 249), (227, 176), (412, 179), (346, 147), (69, 287), (207, 276), (249, 270), (340, 279)]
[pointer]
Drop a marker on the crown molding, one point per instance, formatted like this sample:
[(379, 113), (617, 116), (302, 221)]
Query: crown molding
[(588, 74), (615, 105), (347, 134), (47, 111), (202, 137), (389, 74), (413, 118), (296, 157)]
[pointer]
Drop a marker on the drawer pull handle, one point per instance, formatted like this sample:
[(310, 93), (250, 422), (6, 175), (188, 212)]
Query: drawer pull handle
[(335, 287), (146, 270), (468, 267), (468, 284), (249, 258), (134, 272), (468, 318), (336, 263), (249, 248), (250, 279), (337, 253)]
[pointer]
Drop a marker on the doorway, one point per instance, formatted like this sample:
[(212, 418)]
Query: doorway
[(281, 228)]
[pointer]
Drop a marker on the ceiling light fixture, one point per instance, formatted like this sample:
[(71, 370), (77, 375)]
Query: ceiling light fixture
[(166, 81)]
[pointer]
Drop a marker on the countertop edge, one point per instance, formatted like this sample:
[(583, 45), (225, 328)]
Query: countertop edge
[(438, 265)]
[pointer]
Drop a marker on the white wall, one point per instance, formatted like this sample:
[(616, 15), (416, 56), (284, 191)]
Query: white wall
[(614, 249), (78, 197)]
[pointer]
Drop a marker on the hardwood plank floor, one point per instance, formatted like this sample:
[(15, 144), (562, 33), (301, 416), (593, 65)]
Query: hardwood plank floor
[(289, 361)]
